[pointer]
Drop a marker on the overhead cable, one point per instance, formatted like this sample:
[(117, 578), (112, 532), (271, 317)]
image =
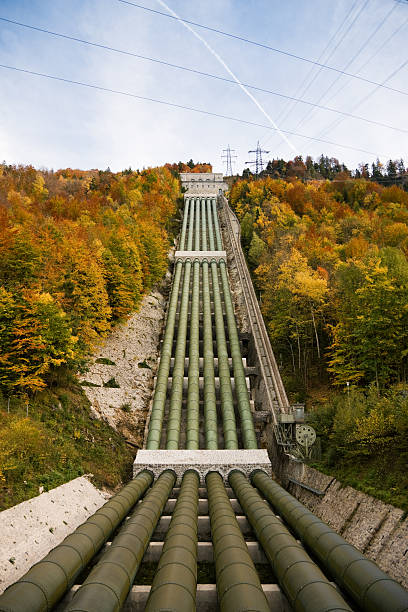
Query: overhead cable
[(183, 107), (293, 55), (200, 73)]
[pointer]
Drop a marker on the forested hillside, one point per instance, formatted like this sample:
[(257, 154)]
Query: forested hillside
[(329, 260), (78, 249)]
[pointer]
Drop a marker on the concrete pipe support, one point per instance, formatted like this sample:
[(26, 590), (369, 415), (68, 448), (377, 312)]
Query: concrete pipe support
[(306, 588), (361, 578), (46, 582), (109, 583), (175, 582), (238, 585)]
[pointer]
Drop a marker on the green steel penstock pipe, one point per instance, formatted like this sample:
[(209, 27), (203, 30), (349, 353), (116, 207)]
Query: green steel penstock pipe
[(197, 226), (360, 577), (238, 585), (176, 398), (217, 230), (160, 393), (46, 582), (193, 393), (241, 391), (203, 226), (184, 226), (175, 582), (306, 588), (210, 401), (227, 401), (110, 581)]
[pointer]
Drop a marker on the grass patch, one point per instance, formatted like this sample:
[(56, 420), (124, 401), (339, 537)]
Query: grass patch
[(126, 407), (58, 441), (143, 364), (112, 383), (86, 383), (383, 477), (105, 361)]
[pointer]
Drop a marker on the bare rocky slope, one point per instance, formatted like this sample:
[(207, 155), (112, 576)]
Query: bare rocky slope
[(120, 377)]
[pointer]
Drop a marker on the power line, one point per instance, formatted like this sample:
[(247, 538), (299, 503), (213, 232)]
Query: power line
[(264, 46), (338, 121), (362, 47), (199, 72), (184, 107), (365, 98), (306, 83), (309, 113)]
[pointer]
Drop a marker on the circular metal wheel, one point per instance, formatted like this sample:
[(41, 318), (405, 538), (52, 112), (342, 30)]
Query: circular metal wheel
[(305, 435)]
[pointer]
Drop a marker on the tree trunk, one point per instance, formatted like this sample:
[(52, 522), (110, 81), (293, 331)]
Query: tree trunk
[(315, 331)]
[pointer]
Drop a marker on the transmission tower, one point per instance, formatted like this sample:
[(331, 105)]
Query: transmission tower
[(228, 158), (258, 158)]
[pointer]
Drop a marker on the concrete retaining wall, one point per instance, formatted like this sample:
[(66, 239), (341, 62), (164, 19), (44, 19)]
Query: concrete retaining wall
[(377, 529)]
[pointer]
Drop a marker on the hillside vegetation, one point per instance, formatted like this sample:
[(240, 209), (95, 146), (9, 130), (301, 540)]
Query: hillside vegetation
[(78, 250), (329, 261)]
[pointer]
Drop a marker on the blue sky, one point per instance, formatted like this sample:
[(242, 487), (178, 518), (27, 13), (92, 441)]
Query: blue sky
[(54, 124)]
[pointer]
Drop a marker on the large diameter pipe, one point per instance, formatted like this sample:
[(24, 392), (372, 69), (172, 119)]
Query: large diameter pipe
[(193, 393), (238, 585), (227, 400), (190, 235), (160, 392), (47, 581), (217, 230), (305, 586), (204, 245), (210, 400), (197, 226), (360, 577), (241, 390), (110, 581), (184, 226), (210, 226), (176, 398), (247, 424), (175, 581)]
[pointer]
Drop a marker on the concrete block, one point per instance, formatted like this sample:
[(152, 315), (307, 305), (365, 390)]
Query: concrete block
[(204, 461)]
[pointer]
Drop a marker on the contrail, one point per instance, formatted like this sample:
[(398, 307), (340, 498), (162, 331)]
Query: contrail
[(228, 69)]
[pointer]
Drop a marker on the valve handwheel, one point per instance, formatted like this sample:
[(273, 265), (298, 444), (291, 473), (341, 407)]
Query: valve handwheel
[(305, 435)]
